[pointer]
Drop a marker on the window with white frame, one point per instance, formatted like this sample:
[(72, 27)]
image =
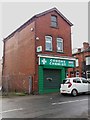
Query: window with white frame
[(54, 21), (48, 43), (77, 62), (59, 45), (88, 74), (77, 73), (88, 60)]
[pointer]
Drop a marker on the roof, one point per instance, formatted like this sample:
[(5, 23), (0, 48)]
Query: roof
[(55, 9), (36, 16), (82, 50)]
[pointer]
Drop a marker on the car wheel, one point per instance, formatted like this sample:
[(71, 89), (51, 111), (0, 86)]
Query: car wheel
[(74, 92)]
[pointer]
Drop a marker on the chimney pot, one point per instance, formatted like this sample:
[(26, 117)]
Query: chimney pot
[(79, 49), (85, 45)]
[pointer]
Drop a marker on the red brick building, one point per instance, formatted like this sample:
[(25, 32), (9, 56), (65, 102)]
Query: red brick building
[(39, 49), (82, 56)]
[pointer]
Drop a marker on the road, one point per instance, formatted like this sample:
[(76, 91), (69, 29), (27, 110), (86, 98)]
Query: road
[(45, 106)]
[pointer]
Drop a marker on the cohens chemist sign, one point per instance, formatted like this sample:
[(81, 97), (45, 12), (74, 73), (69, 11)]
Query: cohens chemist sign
[(56, 62)]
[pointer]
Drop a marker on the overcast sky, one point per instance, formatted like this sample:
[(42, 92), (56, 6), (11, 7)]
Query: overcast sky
[(15, 14)]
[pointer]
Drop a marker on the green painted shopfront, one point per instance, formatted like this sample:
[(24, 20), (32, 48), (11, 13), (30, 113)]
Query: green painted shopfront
[(52, 71)]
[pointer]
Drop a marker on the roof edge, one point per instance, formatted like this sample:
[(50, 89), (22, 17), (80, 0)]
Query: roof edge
[(36, 16), (55, 9), (20, 28)]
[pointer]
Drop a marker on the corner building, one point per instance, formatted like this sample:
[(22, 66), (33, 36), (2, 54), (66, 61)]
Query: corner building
[(41, 50)]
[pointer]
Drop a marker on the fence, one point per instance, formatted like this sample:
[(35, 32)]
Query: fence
[(16, 83)]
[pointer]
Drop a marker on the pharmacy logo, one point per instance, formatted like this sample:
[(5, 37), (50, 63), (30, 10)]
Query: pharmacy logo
[(44, 61)]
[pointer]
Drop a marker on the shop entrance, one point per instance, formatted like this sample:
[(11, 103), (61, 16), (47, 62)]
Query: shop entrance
[(52, 78), (51, 72)]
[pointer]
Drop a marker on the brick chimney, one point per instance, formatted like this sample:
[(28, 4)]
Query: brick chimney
[(85, 45)]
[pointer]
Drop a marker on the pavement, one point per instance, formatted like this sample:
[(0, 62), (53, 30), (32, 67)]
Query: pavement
[(46, 106)]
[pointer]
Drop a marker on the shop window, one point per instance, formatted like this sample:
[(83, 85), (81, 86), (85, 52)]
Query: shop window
[(54, 21), (48, 43), (59, 45)]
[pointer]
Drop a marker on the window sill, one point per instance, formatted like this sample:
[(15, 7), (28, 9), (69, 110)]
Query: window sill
[(48, 51), (60, 52), (54, 27), (77, 66)]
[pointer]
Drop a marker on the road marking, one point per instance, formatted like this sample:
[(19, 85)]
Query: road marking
[(68, 102), (11, 110)]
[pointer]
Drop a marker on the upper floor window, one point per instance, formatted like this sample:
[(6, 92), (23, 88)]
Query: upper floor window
[(53, 21), (48, 43), (77, 63), (59, 45), (88, 60)]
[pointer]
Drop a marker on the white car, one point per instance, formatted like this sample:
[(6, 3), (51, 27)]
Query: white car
[(74, 86)]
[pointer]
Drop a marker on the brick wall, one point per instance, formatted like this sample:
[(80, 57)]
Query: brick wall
[(19, 58), (43, 28), (81, 56)]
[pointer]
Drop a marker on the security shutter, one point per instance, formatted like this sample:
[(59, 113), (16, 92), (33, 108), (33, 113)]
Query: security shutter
[(51, 79)]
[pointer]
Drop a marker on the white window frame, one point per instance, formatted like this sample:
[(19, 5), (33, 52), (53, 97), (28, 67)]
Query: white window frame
[(61, 41), (77, 73), (47, 40), (66, 74), (87, 74), (88, 60), (77, 62)]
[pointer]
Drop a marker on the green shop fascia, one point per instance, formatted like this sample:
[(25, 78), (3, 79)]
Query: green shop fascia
[(51, 72)]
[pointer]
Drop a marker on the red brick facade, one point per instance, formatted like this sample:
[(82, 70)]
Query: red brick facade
[(81, 55), (20, 56)]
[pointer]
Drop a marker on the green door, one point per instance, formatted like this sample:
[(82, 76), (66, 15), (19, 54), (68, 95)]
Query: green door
[(51, 79)]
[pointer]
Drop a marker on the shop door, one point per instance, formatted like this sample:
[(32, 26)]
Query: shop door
[(51, 79)]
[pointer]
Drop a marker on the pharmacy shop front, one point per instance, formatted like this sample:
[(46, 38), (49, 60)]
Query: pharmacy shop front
[(51, 72)]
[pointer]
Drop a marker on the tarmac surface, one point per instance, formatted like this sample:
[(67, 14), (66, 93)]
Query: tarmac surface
[(45, 106)]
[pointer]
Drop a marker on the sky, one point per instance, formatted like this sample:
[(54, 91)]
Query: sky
[(15, 14)]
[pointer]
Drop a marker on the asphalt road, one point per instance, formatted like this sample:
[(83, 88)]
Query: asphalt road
[(45, 106)]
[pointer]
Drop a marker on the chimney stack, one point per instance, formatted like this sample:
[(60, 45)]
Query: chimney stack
[(79, 50), (85, 45)]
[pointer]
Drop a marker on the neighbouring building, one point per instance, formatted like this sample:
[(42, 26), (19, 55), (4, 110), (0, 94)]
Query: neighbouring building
[(82, 56), (38, 54)]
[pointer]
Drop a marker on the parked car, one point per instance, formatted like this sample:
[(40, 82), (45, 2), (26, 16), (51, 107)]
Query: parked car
[(74, 86)]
